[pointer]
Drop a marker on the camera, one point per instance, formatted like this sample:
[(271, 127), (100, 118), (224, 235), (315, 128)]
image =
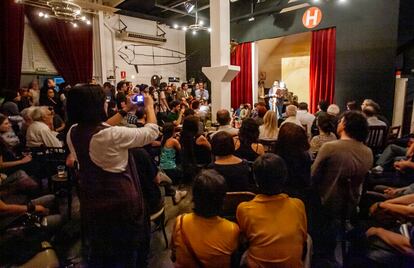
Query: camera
[(137, 99)]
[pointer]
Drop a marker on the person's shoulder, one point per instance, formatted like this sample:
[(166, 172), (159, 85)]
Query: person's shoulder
[(229, 226), (297, 203)]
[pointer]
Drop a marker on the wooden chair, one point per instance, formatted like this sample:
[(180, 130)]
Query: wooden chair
[(232, 200), (393, 133), (377, 137)]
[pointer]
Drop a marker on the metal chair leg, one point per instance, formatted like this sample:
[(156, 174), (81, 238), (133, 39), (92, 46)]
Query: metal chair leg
[(163, 230)]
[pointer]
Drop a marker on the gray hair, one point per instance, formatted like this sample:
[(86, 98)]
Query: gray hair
[(27, 113), (39, 112), (291, 110)]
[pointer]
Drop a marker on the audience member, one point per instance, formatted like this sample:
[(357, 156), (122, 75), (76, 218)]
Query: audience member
[(234, 170), (247, 144), (273, 223), (377, 109), (372, 119), (121, 94), (338, 173), (224, 120), (260, 113), (291, 111), (116, 228), (326, 133), (333, 110), (201, 93), (305, 118), (351, 106), (269, 129), (24, 99), (11, 99), (322, 109), (292, 145), (203, 238), (34, 92), (176, 114), (40, 133)]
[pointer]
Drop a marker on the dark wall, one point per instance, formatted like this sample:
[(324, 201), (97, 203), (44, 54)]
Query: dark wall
[(366, 45), (198, 47)]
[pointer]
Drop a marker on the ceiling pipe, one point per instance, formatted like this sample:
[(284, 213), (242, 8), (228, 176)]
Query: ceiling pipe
[(174, 10), (268, 11)]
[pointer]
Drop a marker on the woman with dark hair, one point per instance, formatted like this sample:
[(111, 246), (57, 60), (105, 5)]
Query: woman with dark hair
[(326, 133), (292, 146), (112, 208), (170, 146), (233, 169), (195, 148), (212, 239), (11, 99), (247, 146)]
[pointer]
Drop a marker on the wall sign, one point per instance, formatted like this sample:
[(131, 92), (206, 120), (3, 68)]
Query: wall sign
[(312, 17), (123, 75)]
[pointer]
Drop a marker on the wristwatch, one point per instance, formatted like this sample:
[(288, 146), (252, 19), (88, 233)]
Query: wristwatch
[(122, 113)]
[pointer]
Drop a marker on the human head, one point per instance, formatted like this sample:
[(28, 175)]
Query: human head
[(201, 85), (270, 119), (50, 83), (184, 86), (209, 190), (190, 125), (276, 83), (23, 91), (50, 93), (85, 104), (43, 114), (175, 105), (369, 102), (5, 125), (261, 110), (195, 105), (222, 144), (223, 117), (351, 105), (107, 85), (291, 110), (11, 95), (292, 139), (354, 125), (249, 131), (369, 111), (323, 105), (324, 123), (140, 112), (303, 106), (188, 112), (27, 114), (333, 109), (122, 86), (34, 84), (168, 131), (271, 173)]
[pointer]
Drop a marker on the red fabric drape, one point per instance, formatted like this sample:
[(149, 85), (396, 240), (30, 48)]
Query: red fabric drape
[(69, 48), (241, 86), (11, 43), (322, 67)]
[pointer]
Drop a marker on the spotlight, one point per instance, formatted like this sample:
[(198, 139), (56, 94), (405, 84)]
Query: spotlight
[(88, 22), (189, 6), (132, 76), (209, 30), (251, 19), (184, 28), (41, 14), (175, 26), (194, 32), (75, 25), (77, 12), (46, 16), (201, 22), (83, 18)]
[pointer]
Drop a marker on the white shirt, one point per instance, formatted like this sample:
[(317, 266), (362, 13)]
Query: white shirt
[(38, 134), (227, 128), (374, 121), (305, 118), (108, 148), (292, 119)]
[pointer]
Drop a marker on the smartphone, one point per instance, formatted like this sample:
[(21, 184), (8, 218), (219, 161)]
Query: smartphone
[(137, 99)]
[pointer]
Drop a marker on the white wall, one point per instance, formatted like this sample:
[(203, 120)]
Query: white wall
[(175, 41)]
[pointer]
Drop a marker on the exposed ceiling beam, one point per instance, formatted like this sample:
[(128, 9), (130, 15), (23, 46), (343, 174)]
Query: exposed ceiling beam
[(175, 10), (141, 15), (268, 11), (113, 3), (198, 10)]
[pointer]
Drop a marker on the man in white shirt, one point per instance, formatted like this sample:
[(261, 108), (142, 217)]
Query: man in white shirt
[(304, 117), (201, 93), (40, 131), (291, 111), (224, 119)]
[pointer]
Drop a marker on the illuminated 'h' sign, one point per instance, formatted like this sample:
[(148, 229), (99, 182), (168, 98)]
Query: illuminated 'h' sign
[(312, 17)]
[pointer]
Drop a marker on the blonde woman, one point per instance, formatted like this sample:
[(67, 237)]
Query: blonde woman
[(269, 129)]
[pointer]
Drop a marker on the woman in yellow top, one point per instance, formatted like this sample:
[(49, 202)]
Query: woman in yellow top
[(202, 238), (273, 223)]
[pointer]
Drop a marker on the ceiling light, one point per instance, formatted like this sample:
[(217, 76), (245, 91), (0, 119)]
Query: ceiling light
[(41, 14), (194, 32), (209, 30), (232, 1), (201, 22), (251, 19), (184, 28), (75, 25), (175, 26), (77, 12), (342, 1), (189, 6), (83, 18), (88, 22), (46, 16)]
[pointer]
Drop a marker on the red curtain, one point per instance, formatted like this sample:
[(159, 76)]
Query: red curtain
[(322, 67), (69, 48), (11, 43), (241, 86)]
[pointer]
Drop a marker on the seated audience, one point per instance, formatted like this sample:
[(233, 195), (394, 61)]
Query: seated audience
[(34, 92), (322, 108), (24, 99), (377, 109), (117, 227), (224, 120), (338, 174), (273, 223), (291, 111), (234, 170), (305, 118), (247, 143), (11, 99), (326, 133), (7, 133), (292, 145), (333, 110), (176, 114), (203, 238), (244, 112), (269, 129), (201, 93), (351, 106), (39, 133), (393, 151), (372, 118), (195, 148), (260, 113), (52, 101)]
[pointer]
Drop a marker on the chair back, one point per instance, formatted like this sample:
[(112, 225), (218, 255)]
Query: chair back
[(376, 140), (231, 202), (269, 145), (393, 133)]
